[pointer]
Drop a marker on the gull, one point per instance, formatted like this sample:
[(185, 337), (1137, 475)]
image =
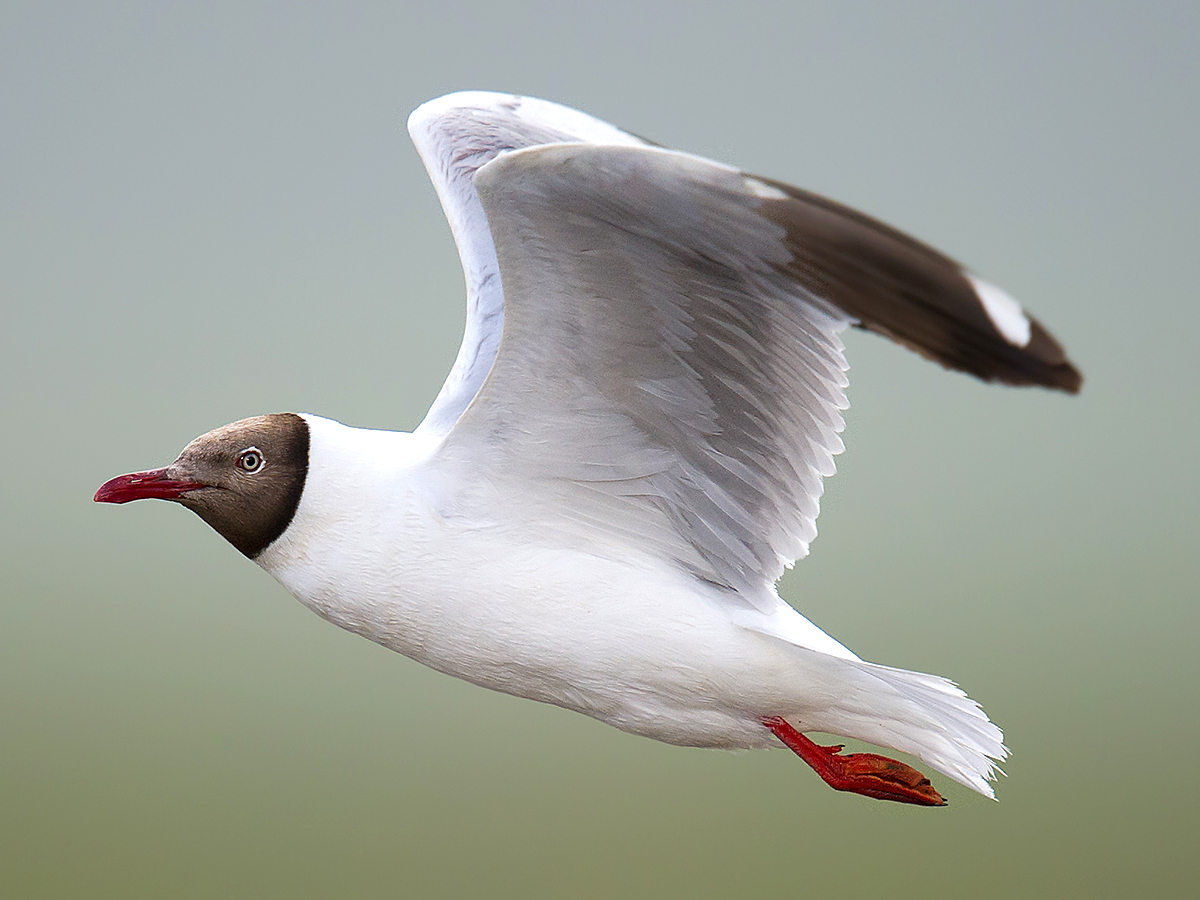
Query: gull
[(628, 451)]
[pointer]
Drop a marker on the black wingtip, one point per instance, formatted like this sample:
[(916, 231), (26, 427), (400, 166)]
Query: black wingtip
[(1061, 375), (897, 286)]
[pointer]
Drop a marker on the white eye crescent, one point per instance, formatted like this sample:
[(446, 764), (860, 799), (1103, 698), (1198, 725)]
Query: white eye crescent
[(250, 460)]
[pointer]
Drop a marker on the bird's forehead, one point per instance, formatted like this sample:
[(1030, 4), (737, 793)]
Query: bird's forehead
[(279, 435), (234, 436)]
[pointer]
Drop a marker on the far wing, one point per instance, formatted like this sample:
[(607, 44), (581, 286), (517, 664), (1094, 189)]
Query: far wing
[(456, 135), (671, 374)]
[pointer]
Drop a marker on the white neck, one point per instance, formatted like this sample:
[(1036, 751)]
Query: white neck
[(360, 527)]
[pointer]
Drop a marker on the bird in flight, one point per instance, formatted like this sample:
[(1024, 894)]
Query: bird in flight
[(628, 451)]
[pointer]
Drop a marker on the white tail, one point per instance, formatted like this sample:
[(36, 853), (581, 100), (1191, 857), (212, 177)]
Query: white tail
[(925, 715)]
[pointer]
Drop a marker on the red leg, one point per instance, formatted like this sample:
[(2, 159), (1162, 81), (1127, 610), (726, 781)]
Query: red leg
[(861, 773)]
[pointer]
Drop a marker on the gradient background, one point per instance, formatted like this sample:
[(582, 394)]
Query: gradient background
[(212, 212)]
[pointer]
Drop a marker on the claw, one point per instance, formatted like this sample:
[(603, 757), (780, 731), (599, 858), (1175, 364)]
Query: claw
[(861, 773)]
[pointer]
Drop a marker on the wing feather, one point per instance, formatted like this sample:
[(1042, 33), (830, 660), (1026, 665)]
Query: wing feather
[(660, 375), (456, 135), (653, 353)]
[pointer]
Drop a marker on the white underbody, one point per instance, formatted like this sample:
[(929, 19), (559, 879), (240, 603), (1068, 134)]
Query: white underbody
[(388, 546)]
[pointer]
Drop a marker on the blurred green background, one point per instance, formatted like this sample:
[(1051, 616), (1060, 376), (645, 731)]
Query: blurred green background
[(210, 211)]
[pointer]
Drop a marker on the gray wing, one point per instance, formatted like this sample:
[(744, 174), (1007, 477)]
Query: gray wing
[(456, 135), (671, 374)]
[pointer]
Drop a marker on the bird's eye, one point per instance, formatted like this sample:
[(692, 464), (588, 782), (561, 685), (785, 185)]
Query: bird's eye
[(250, 460)]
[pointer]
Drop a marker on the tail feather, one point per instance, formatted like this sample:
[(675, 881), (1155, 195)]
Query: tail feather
[(925, 715)]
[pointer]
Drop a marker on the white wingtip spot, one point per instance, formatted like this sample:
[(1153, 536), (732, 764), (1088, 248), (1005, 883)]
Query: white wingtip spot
[(764, 190), (1005, 312)]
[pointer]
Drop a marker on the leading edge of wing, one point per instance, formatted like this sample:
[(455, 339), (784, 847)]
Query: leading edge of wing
[(455, 136)]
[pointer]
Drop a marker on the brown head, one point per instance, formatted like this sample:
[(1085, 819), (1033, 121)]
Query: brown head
[(244, 479)]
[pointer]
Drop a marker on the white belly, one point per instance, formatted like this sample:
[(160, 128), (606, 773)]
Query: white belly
[(642, 647)]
